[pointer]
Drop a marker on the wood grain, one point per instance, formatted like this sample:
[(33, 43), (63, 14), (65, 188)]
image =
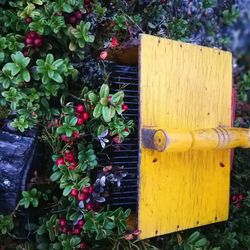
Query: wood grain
[(183, 86)]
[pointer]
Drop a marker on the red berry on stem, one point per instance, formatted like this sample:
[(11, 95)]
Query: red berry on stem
[(81, 223), (114, 42), (124, 107), (72, 166), (234, 198), (32, 34), (69, 156), (62, 222), (82, 197), (109, 98), (241, 197), (80, 108), (238, 205), (103, 55), (85, 115), (89, 207), (78, 15), (76, 134), (83, 246), (72, 20), (76, 231), (28, 20), (65, 138), (60, 161), (38, 42), (116, 139), (26, 53), (91, 190), (85, 190), (74, 192), (80, 120), (28, 41)]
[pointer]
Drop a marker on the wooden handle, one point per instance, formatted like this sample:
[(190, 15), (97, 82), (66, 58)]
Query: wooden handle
[(205, 139)]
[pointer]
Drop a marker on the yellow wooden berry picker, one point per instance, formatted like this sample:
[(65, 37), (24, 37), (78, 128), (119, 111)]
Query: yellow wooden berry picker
[(185, 134)]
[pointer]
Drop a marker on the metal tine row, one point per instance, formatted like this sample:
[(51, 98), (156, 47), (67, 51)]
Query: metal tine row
[(126, 154)]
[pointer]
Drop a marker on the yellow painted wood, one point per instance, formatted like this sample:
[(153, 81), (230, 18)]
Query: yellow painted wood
[(179, 140), (183, 86)]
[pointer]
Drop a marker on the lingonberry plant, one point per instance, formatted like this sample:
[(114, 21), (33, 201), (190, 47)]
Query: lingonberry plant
[(52, 77)]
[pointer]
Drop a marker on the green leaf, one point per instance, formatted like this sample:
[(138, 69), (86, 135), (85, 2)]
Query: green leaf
[(57, 77), (73, 121), (106, 113), (55, 176), (201, 243), (117, 98), (93, 97), (13, 68), (193, 237), (25, 75), (97, 111), (104, 91), (67, 190)]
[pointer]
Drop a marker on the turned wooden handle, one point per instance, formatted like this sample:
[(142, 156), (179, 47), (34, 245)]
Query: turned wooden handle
[(204, 139)]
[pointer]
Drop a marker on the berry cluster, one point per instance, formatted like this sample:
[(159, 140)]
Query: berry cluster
[(85, 195), (74, 17), (68, 227), (33, 39), (68, 160), (82, 114), (237, 200)]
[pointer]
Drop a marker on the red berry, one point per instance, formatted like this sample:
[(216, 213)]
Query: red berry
[(80, 120), (28, 20), (109, 98), (76, 231), (60, 161), (91, 190), (81, 223), (63, 229), (87, 2), (85, 115), (124, 107), (38, 42), (234, 198), (89, 207), (114, 42), (103, 55), (26, 53), (241, 197), (80, 108), (65, 138), (126, 130), (72, 166), (116, 139), (32, 34), (82, 197), (28, 41), (85, 190), (97, 207), (62, 222), (74, 192), (72, 20), (238, 205), (78, 15), (76, 134), (69, 156), (83, 246)]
